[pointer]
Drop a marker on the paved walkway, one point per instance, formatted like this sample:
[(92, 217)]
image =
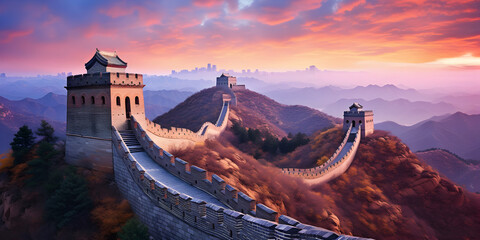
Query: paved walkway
[(163, 176)]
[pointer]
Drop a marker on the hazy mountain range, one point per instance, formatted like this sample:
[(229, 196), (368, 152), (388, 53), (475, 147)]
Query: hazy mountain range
[(389, 102), (52, 108), (14, 114), (399, 110), (462, 172), (459, 133)]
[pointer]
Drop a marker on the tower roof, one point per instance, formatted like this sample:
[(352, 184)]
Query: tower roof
[(356, 105), (105, 58)]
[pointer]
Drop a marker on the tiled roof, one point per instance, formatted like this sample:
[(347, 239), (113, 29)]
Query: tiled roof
[(106, 58)]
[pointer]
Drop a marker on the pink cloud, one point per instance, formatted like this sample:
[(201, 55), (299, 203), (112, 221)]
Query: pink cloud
[(8, 36)]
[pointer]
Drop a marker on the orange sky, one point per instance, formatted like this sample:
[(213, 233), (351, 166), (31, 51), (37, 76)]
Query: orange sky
[(158, 36)]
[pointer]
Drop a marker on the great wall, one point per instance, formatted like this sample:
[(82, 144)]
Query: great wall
[(174, 199)]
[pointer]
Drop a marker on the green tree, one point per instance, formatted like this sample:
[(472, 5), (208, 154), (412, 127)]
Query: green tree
[(46, 131), (270, 144), (284, 146), (22, 144), (240, 131), (133, 230), (39, 167), (70, 199), (254, 135)]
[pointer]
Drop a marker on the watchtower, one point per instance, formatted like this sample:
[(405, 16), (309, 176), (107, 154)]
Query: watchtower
[(104, 97), (357, 116), (225, 80)]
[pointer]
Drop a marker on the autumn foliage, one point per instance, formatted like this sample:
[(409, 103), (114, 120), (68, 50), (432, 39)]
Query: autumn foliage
[(387, 193)]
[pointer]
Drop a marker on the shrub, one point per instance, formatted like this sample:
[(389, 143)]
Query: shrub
[(134, 230)]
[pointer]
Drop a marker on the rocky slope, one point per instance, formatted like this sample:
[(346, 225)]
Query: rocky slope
[(462, 172)]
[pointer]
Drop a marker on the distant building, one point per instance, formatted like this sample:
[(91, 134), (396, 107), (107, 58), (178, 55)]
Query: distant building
[(214, 68), (358, 117), (225, 80), (3, 75), (105, 62), (209, 67)]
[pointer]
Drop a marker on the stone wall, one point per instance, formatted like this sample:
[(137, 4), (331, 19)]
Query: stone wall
[(162, 223), (208, 129), (89, 152), (331, 168), (173, 215)]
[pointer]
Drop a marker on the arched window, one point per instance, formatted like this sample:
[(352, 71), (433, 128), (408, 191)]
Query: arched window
[(73, 100), (118, 101), (93, 100), (83, 99), (103, 100), (137, 101)]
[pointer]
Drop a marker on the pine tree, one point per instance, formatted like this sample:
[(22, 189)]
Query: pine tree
[(46, 131), (133, 230), (68, 200), (22, 144), (39, 167)]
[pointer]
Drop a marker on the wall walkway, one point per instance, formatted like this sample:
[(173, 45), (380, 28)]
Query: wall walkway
[(182, 137), (207, 208), (336, 165)]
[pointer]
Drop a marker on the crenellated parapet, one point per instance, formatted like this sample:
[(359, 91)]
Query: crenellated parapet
[(208, 129), (105, 79), (242, 218), (338, 162)]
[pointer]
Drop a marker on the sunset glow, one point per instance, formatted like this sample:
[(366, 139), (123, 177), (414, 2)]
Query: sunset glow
[(158, 36)]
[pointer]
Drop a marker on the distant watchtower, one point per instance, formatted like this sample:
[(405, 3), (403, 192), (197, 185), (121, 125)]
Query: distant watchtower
[(104, 97), (357, 116), (226, 80)]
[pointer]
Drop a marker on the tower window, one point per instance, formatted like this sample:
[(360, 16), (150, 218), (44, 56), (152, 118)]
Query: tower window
[(118, 101), (118, 75), (73, 100), (137, 101), (103, 100), (83, 99), (93, 100)]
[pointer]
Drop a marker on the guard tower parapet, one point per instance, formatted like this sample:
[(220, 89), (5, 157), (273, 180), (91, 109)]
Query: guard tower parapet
[(357, 116), (106, 78)]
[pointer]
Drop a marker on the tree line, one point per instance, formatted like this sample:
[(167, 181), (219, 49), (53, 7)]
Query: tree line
[(267, 142), (66, 190)]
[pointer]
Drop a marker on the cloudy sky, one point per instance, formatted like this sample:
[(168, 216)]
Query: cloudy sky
[(276, 35)]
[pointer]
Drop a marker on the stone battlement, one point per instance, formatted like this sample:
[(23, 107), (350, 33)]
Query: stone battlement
[(207, 130), (104, 79), (246, 220), (330, 165)]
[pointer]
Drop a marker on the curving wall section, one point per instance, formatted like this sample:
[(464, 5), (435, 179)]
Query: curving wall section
[(208, 129), (336, 165), (173, 214)]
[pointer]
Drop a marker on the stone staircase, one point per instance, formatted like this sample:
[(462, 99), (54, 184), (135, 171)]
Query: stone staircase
[(131, 141)]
